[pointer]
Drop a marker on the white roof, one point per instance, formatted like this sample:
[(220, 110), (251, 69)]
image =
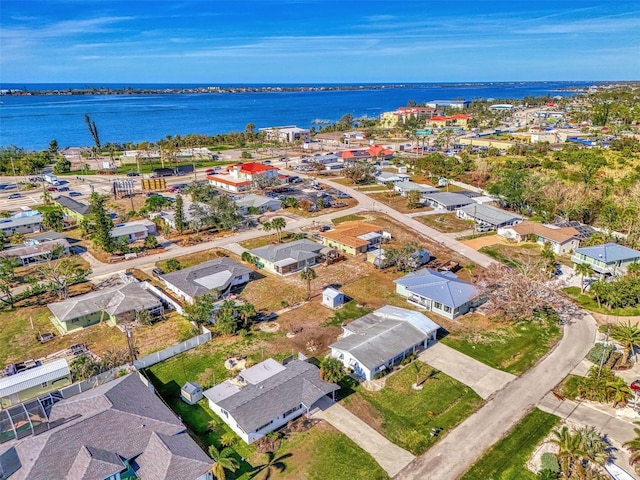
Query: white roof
[(262, 371), (331, 292), (33, 377)]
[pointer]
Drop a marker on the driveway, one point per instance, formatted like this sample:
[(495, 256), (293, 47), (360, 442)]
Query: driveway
[(389, 456), (484, 380), (459, 450)]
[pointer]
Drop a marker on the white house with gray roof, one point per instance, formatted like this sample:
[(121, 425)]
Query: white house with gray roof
[(133, 231), (117, 430), (288, 257), (267, 396), (21, 224), (488, 215), (440, 292), (261, 202), (609, 258), (405, 187), (373, 344), (446, 200), (215, 277)]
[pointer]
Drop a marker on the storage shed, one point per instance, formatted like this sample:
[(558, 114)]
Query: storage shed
[(191, 393), (332, 297)]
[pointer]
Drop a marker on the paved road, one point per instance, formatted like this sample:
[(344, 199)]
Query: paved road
[(483, 379), (458, 451), (389, 456)]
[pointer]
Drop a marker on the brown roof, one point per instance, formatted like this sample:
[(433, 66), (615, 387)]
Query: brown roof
[(558, 235), (348, 233)]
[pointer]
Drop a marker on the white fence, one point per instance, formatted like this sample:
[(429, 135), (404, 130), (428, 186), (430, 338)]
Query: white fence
[(173, 350), (164, 296)]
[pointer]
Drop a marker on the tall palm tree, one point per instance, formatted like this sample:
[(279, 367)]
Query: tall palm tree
[(584, 270), (246, 312), (224, 461), (634, 447), (569, 451), (278, 224), (273, 463), (308, 274), (629, 336)]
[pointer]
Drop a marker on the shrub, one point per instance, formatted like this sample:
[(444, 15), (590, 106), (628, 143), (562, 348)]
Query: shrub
[(595, 354), (549, 461), (408, 359), (150, 242), (615, 360), (172, 265)]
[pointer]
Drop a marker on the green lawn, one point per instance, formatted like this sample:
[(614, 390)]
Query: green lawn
[(349, 311), (588, 303), (347, 218), (507, 459), (407, 415), (513, 349)]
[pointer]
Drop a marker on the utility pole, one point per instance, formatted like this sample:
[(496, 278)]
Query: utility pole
[(604, 349), (132, 352)]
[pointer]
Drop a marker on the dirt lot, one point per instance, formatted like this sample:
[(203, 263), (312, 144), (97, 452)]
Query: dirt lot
[(478, 243), (397, 202), (446, 222)]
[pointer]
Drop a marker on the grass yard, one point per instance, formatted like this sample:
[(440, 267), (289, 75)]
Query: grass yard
[(348, 218), (406, 416), (446, 222), (349, 311), (513, 348), (373, 188), (507, 459), (588, 303), (193, 259), (514, 255), (397, 202), (268, 239)]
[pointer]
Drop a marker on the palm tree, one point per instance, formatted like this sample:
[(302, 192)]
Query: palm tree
[(267, 226), (629, 336), (278, 224), (246, 312), (569, 451), (469, 267), (599, 290), (634, 448), (272, 463), (584, 270), (224, 461), (618, 392), (308, 274)]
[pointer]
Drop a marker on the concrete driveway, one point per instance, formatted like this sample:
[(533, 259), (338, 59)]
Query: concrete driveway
[(484, 380), (389, 456)]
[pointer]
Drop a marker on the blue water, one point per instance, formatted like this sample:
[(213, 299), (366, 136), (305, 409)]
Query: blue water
[(30, 122)]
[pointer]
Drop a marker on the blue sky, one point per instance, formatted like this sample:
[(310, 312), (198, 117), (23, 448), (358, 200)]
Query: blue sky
[(329, 41)]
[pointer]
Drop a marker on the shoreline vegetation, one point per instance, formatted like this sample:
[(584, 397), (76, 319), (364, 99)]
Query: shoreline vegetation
[(105, 90)]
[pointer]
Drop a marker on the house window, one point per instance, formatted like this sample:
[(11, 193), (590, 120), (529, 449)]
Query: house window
[(226, 414), (263, 426), (447, 309), (289, 412), (437, 305)]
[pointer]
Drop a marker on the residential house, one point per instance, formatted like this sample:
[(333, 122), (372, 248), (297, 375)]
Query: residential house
[(457, 120), (288, 257), (287, 134), (610, 258), (72, 207), (21, 224), (113, 305), (385, 177), (32, 382), (405, 187), (260, 202), (38, 252), (373, 344), (267, 396), (215, 277), (562, 239), (488, 215), (133, 231), (376, 152), (168, 215), (353, 238), (240, 177), (447, 200), (440, 292), (118, 430), (403, 115)]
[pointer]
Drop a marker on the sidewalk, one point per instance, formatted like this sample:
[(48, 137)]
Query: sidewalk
[(389, 456)]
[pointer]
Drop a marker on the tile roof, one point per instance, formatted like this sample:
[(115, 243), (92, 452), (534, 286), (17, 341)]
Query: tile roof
[(72, 204), (297, 251), (200, 279), (610, 252), (491, 215), (347, 233), (118, 418), (379, 336), (115, 301), (443, 287), (254, 405), (252, 167), (557, 235)]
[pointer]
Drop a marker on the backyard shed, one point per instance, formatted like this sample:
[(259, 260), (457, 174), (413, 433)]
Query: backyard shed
[(191, 393), (332, 297)]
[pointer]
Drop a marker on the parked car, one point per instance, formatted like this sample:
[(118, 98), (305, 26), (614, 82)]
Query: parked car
[(133, 174), (63, 189), (483, 228), (324, 228), (210, 171), (74, 194), (52, 189), (156, 272), (14, 195), (265, 317)]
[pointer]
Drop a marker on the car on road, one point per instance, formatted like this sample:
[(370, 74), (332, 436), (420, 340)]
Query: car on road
[(173, 190), (133, 174), (63, 189), (156, 272), (52, 189), (74, 194), (14, 195), (210, 171)]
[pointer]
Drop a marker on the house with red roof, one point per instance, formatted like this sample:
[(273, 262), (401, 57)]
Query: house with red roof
[(373, 152), (457, 120), (240, 177)]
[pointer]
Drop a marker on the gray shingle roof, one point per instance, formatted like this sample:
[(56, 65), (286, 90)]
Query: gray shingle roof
[(117, 418), (443, 287), (409, 186), (254, 405), (383, 334), (253, 200), (449, 199), (491, 215), (127, 229), (72, 204), (42, 248), (93, 463), (115, 301), (175, 457), (297, 251), (610, 252), (201, 279), (20, 221)]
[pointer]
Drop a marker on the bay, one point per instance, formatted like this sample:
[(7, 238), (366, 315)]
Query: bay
[(31, 122)]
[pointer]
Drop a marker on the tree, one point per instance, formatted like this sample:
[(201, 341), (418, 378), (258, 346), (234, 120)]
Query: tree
[(102, 223), (17, 238), (246, 313), (179, 219), (308, 274), (144, 317), (634, 447), (577, 449), (227, 318), (93, 130), (262, 181), (548, 257), (223, 461), (584, 270), (360, 172), (247, 257), (290, 202), (278, 224), (151, 241), (83, 367), (3, 240), (402, 257), (53, 219), (629, 336), (60, 271), (272, 463), (172, 265), (201, 310), (63, 165), (414, 199), (201, 192), (619, 392), (331, 369), (53, 146), (7, 277)]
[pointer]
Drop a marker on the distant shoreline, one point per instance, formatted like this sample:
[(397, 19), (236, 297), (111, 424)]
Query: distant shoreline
[(144, 90)]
